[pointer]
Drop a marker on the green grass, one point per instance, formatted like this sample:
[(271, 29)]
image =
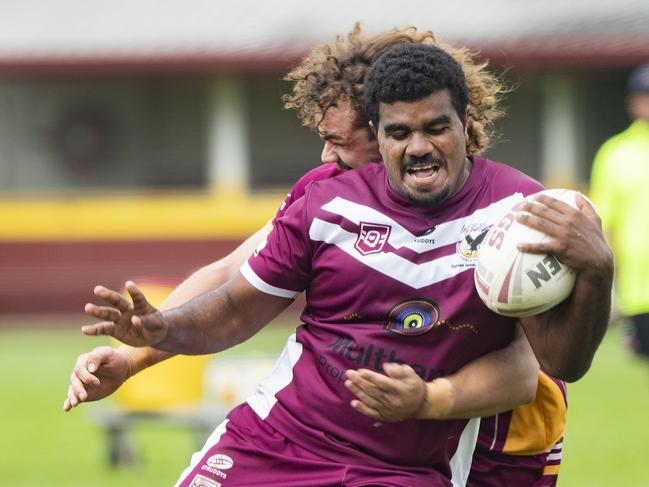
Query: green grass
[(608, 421), (606, 441), (40, 445)]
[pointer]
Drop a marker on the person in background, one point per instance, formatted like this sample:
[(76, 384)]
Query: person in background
[(618, 188)]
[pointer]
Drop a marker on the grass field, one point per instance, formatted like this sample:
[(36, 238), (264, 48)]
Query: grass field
[(606, 441)]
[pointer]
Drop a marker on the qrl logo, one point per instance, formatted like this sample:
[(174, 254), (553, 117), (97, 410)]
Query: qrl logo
[(371, 238)]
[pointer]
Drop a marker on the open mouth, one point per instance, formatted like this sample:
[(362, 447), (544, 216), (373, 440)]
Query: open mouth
[(423, 170)]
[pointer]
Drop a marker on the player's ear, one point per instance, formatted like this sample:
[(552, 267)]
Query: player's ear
[(372, 127)]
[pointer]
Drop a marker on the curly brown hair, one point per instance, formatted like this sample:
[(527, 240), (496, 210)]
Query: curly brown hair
[(336, 71)]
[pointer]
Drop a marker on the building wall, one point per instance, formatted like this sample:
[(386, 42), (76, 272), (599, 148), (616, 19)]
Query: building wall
[(88, 133), (596, 110), (76, 134), (281, 149), (517, 140), (45, 277)]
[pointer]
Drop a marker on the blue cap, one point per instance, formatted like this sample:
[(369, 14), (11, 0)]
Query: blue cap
[(639, 80)]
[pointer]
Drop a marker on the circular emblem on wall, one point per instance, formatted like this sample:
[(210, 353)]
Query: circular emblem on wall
[(412, 317), (85, 137)]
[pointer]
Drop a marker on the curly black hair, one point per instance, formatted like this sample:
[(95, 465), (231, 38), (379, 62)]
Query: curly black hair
[(335, 71), (410, 72)]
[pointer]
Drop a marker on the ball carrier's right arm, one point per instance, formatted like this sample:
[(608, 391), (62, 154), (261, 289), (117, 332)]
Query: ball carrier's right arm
[(566, 337), (209, 323), (100, 372)]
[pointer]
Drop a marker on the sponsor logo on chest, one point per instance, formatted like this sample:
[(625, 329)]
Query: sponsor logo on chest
[(469, 246)]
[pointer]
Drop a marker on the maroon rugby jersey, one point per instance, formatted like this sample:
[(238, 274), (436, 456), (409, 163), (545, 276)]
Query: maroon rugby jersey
[(386, 280)]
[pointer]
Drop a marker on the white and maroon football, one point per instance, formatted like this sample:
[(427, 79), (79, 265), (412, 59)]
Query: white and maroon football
[(514, 283)]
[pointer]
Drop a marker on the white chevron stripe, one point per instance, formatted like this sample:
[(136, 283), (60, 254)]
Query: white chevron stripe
[(461, 460), (445, 233), (265, 397), (263, 286), (389, 264)]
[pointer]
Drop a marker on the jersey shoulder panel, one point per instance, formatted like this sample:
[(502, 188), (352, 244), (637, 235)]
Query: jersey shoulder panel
[(506, 179), (321, 172)]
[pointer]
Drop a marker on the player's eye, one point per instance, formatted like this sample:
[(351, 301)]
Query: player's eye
[(437, 129), (398, 134)]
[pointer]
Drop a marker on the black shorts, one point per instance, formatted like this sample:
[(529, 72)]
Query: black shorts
[(640, 334)]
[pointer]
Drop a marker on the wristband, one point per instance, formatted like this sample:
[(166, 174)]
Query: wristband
[(438, 400)]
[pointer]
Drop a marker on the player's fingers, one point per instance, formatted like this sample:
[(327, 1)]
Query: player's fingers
[(85, 376), (68, 404), (84, 372), (547, 247), (93, 360), (541, 211), (363, 380), (537, 222), (73, 400), (365, 409), (354, 379), (106, 313), (399, 371), (77, 387), (114, 298), (587, 208), (139, 300), (368, 379), (369, 395), (373, 399), (553, 204), (103, 328)]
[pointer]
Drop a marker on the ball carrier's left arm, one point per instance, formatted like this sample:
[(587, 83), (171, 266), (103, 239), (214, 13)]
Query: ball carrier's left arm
[(566, 337)]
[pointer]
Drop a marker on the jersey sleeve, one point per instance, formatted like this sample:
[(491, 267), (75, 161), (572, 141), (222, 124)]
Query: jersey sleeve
[(323, 171), (508, 180), (281, 264), (530, 186), (290, 198)]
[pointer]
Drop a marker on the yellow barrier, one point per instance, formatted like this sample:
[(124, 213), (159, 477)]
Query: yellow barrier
[(105, 217), (175, 384)]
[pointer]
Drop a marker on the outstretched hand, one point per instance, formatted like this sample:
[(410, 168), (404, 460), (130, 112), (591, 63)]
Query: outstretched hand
[(399, 395), (96, 374), (136, 322)]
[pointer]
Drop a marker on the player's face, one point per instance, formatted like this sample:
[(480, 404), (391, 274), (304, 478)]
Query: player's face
[(345, 143), (423, 144)]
